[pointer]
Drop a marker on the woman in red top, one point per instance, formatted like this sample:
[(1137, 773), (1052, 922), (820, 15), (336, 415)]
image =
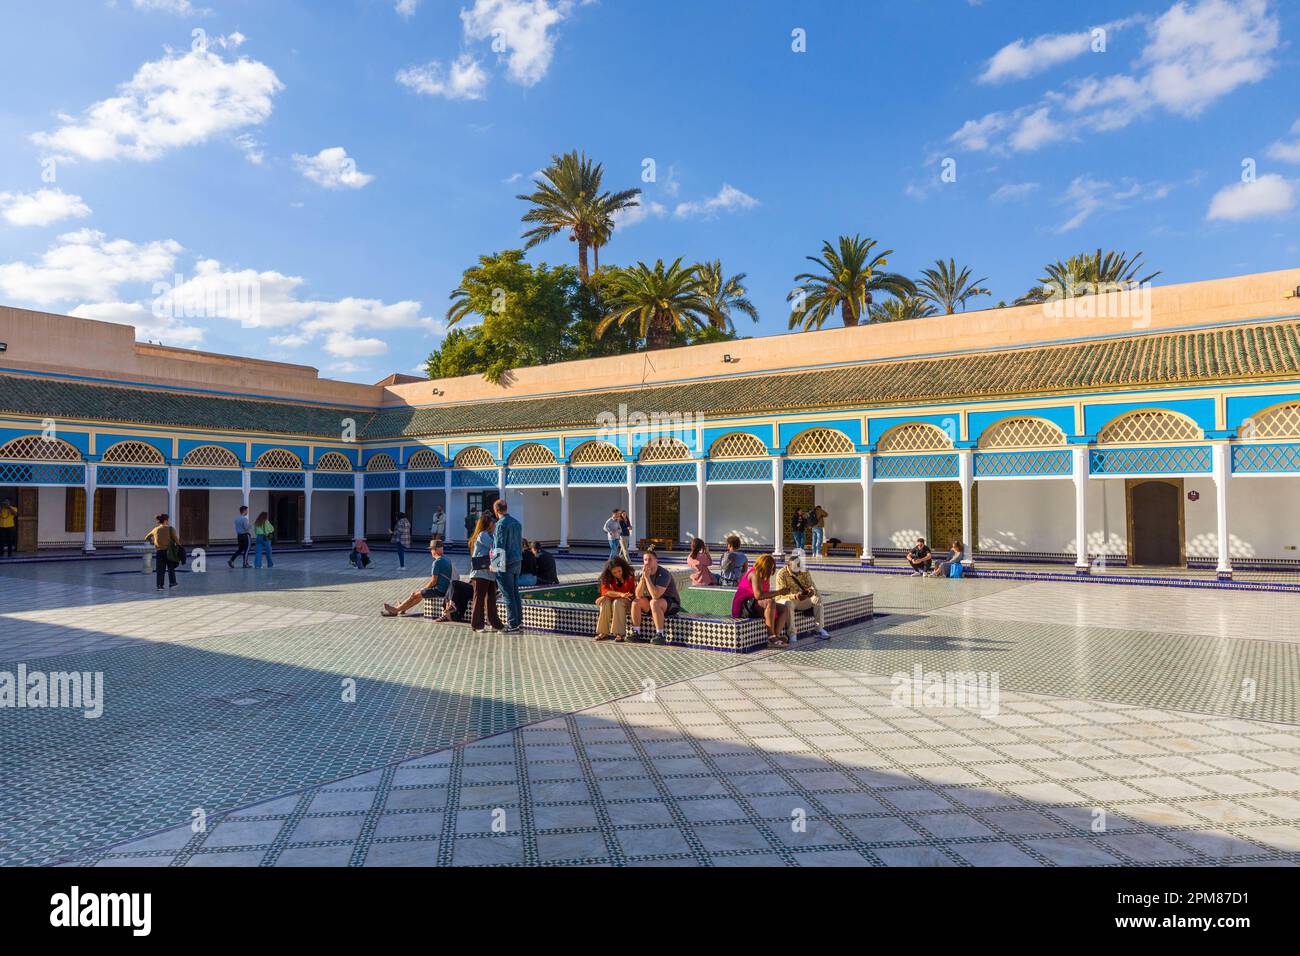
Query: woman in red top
[(617, 584)]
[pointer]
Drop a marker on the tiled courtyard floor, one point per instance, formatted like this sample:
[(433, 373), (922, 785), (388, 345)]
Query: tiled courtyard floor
[(1134, 726)]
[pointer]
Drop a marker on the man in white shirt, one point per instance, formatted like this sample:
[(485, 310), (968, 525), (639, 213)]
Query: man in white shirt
[(614, 531)]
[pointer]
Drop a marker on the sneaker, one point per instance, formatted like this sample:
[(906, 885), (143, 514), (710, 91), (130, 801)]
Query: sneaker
[(659, 638), (916, 574), (822, 634), (160, 588), (512, 629)]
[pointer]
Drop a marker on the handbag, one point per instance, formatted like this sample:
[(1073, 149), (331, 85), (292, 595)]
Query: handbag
[(497, 560), (479, 562)]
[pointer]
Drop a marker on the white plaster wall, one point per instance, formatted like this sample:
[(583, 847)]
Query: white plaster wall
[(538, 510), (50, 504), (329, 514), (223, 509), (743, 510), (1263, 518), (589, 509), (379, 515), (422, 504), (1029, 515), (897, 513), (843, 504)]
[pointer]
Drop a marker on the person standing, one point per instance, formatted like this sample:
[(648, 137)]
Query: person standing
[(798, 524), (243, 534), (471, 523), (438, 529), (484, 579), (8, 529), (625, 535), (817, 521), (509, 537), (401, 532), (614, 532), (166, 544), (262, 532)]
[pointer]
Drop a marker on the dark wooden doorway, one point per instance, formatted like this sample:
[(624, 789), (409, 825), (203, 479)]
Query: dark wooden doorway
[(794, 497), (193, 519), (943, 515), (663, 507), (287, 512), (26, 500), (1155, 522)]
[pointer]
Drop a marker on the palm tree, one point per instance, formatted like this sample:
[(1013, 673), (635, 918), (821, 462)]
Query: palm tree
[(947, 288), (726, 294), (900, 310), (851, 274), (659, 299), (568, 197), (1085, 273)]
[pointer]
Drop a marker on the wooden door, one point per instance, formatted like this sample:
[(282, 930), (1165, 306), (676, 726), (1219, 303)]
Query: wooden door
[(792, 498), (193, 519), (663, 512), (943, 515), (27, 523), (1155, 521)]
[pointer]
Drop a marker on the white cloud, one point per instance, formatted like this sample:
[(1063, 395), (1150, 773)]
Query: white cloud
[(406, 8), (523, 28), (86, 266), (170, 103), (728, 199), (1195, 54), (251, 148), (41, 208), (639, 213), (1287, 152), (1013, 192), (1269, 195), (465, 81), (1086, 196), (332, 168), (155, 328), (178, 7), (1021, 59)]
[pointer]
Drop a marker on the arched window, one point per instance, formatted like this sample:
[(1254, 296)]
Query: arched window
[(913, 436), (1149, 425), (381, 462), (132, 453), (474, 457), (38, 448), (820, 442), (596, 453), (1022, 433), (531, 455), (210, 456), (333, 461), (738, 445), (423, 460), (664, 449), (1280, 421), (279, 459)]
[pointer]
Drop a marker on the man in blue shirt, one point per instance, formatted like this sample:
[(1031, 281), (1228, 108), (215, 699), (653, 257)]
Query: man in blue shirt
[(439, 582), (509, 537), (243, 534)]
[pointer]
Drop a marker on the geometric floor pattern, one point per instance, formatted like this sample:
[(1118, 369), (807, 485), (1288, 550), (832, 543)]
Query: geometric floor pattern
[(1147, 738)]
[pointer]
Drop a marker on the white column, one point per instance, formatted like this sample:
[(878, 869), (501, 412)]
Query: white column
[(245, 485), (701, 509), (501, 481), (173, 495), (88, 542), (359, 504), (867, 479), (401, 490), (1079, 462), (965, 475), (778, 509), (446, 499), (631, 506), (564, 506), (307, 485), (1222, 475)]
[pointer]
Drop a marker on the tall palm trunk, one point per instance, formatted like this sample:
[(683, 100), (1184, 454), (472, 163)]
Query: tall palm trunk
[(659, 333), (583, 272), (848, 313)]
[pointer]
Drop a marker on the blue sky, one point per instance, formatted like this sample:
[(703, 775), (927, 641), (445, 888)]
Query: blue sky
[(348, 159)]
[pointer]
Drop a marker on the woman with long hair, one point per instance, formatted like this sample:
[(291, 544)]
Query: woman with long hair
[(954, 557), (754, 598), (617, 584), (484, 579), (700, 563), (262, 530)]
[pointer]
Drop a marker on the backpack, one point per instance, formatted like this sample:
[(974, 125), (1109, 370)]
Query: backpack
[(956, 569)]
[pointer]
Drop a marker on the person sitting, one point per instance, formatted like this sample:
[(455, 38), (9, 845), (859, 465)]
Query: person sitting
[(617, 586), (944, 570), (734, 563), (920, 558), (656, 594), (360, 556), (796, 589), (545, 564), (754, 599), (527, 566), (700, 563), (438, 585)]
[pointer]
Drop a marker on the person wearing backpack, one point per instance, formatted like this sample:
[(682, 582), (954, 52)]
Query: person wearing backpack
[(167, 547), (262, 532), (798, 525)]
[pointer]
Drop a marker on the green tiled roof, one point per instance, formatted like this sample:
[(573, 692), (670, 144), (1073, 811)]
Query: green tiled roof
[(1237, 353)]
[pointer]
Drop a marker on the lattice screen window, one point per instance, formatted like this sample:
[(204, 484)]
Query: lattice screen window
[(531, 456), (1280, 422), (423, 460), (381, 462), (474, 458), (278, 459), (596, 453), (664, 449), (211, 456), (38, 448), (132, 453), (1149, 426), (819, 442), (914, 436), (1023, 433), (333, 461), (738, 445)]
